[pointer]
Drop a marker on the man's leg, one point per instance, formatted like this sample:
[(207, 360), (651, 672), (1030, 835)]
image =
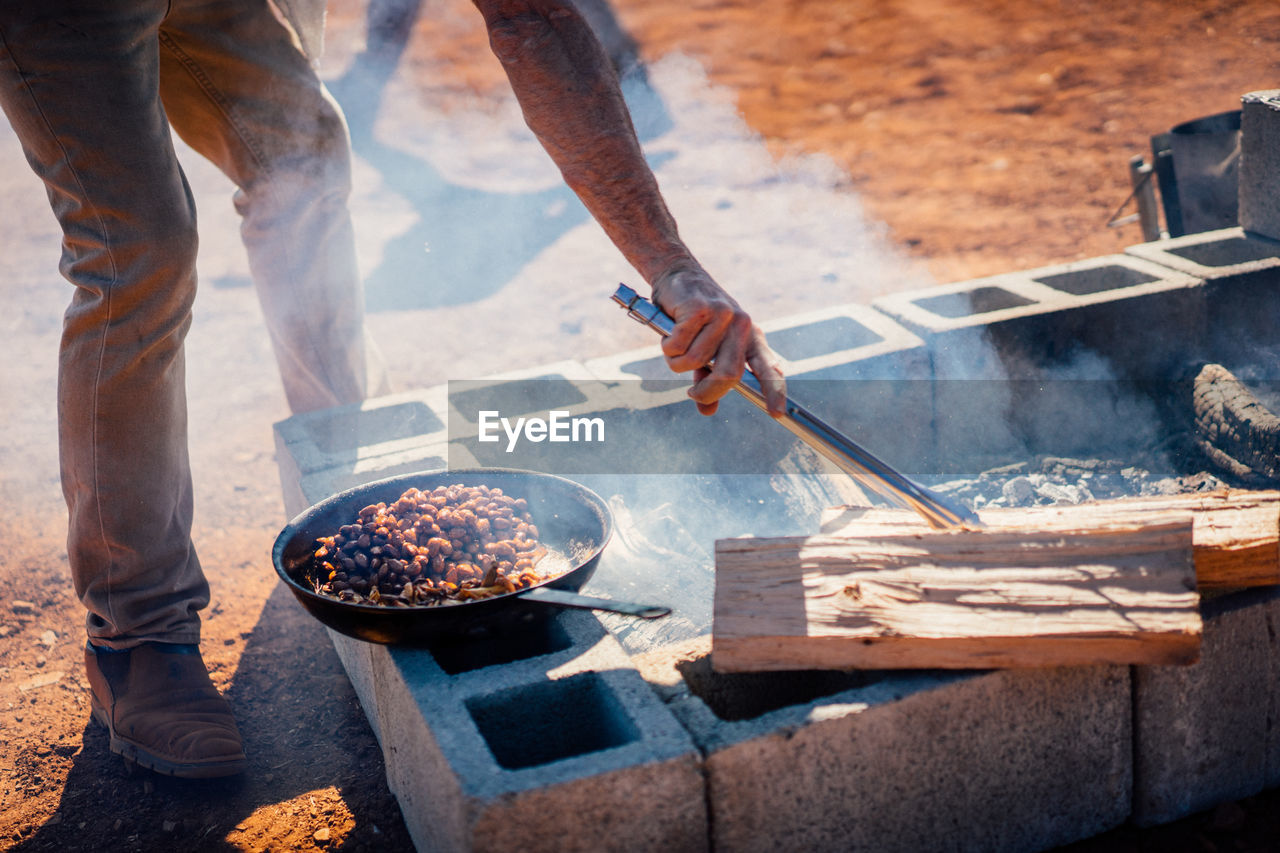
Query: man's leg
[(79, 81), (79, 86), (239, 90)]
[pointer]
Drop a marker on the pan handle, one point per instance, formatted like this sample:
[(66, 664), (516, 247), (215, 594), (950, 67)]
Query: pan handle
[(563, 598)]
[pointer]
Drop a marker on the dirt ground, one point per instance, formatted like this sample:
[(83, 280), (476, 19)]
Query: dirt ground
[(988, 136)]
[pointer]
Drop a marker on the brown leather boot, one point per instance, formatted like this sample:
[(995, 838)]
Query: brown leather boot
[(163, 712)]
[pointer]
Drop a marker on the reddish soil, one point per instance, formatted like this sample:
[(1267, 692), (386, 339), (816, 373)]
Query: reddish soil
[(989, 136)]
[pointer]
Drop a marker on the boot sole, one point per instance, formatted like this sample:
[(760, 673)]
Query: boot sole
[(139, 755)]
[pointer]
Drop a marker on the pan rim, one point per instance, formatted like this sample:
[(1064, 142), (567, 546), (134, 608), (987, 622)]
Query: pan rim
[(296, 524)]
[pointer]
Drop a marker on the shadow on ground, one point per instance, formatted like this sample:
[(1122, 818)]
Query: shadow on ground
[(321, 768), (467, 243)]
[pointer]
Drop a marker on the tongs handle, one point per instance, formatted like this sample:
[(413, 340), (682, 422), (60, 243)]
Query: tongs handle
[(842, 451)]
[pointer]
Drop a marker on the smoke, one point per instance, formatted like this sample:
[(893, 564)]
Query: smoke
[(488, 256), (463, 219), (34, 297), (483, 238)]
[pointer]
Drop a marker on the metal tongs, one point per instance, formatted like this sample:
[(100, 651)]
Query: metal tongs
[(842, 451)]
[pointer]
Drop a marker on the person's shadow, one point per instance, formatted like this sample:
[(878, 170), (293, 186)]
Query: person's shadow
[(304, 733), (467, 243)]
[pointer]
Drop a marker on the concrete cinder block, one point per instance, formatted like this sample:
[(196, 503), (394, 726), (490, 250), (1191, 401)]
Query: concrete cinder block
[(345, 435), (1039, 322), (1241, 274), (1019, 760), (320, 453), (1271, 777), (844, 341), (323, 452), (651, 426), (955, 320), (1206, 734), (563, 385), (1260, 163), (864, 374), (645, 364), (318, 485), (876, 761), (1016, 355), (642, 377), (552, 743), (1228, 254), (852, 366), (362, 662), (609, 441)]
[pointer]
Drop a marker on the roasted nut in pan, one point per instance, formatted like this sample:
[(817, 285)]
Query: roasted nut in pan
[(453, 543)]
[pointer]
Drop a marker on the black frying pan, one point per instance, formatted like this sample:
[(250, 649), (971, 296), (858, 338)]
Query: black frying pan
[(574, 523)]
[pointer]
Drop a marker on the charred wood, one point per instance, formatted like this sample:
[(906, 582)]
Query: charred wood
[(1234, 429)]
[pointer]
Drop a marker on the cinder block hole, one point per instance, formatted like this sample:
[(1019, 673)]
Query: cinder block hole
[(747, 695), (351, 429), (980, 300), (520, 396), (826, 336), (1224, 253), (544, 637), (1096, 279), (551, 721)]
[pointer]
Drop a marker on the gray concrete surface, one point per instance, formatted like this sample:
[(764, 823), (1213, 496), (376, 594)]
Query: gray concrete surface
[(1228, 254), (876, 761), (848, 761), (1240, 270), (1020, 324), (1004, 761), (565, 748), (1206, 734), (1260, 163)]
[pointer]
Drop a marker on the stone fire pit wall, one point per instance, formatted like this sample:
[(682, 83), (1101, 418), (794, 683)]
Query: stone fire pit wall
[(631, 742)]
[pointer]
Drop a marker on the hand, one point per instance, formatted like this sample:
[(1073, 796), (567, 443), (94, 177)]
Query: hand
[(715, 339)]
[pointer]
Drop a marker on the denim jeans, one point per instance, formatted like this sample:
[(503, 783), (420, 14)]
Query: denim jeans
[(92, 88)]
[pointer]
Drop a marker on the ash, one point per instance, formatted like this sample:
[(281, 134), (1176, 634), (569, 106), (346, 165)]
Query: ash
[(1049, 480)]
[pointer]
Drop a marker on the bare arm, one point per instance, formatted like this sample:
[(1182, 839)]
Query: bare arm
[(571, 100)]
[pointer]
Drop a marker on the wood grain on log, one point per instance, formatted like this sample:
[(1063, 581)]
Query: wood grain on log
[(1114, 591), (1235, 540)]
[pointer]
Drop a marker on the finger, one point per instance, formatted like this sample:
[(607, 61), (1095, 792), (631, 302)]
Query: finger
[(730, 361), (706, 345), (705, 408), (766, 367), (702, 345), (688, 324), (775, 393), (711, 389)]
